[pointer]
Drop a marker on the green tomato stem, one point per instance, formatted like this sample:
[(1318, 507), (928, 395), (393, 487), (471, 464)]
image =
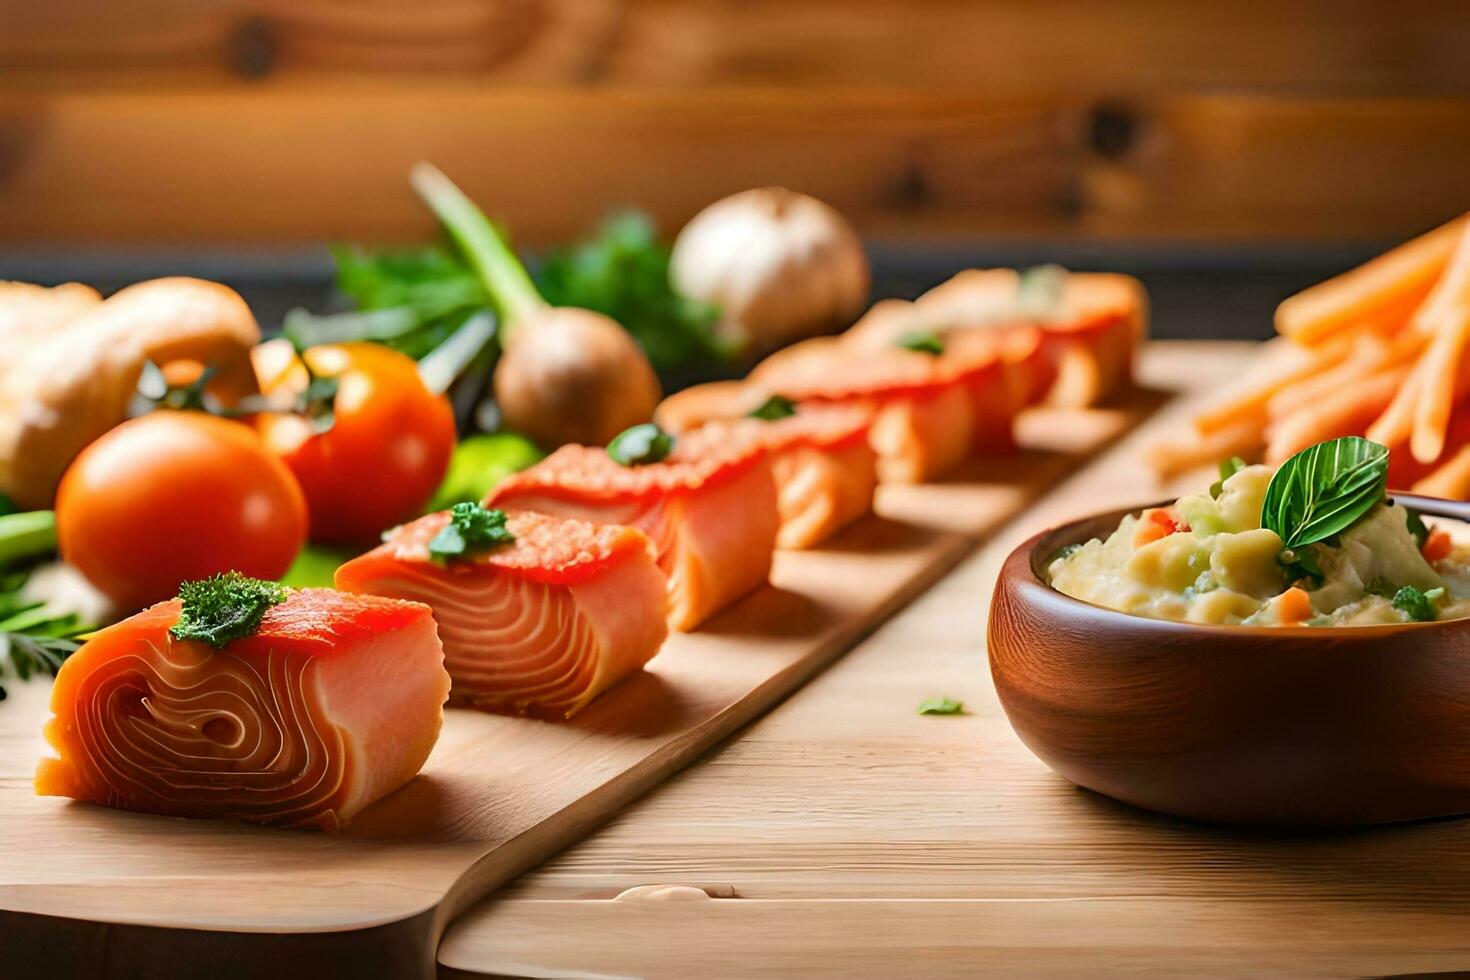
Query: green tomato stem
[(504, 277)]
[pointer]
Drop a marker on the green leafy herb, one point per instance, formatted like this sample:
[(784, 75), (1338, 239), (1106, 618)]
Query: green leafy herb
[(471, 528), (641, 444), (941, 706), (410, 300), (1325, 489), (922, 342), (224, 607), (1040, 291), (623, 271), (1301, 563), (1417, 605), (1066, 551), (1416, 526), (34, 654), (1228, 468), (773, 408)]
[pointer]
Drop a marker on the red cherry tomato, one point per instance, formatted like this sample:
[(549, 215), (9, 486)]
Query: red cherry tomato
[(174, 496), (386, 452)]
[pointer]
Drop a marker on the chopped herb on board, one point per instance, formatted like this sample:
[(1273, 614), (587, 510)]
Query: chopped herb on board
[(941, 706)]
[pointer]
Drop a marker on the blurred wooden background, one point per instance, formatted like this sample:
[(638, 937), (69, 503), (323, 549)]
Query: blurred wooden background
[(283, 121)]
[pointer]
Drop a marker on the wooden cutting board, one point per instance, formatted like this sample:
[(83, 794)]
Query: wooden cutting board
[(846, 836), (85, 890)]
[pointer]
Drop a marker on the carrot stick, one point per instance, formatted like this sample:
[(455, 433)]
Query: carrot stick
[(1285, 365), (1344, 413), (1371, 353), (1397, 421), (1445, 316), (1437, 395), (1451, 480), (1382, 292), (1244, 437)]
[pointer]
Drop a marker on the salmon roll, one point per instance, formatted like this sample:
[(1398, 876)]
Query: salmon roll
[(821, 458), (538, 614), (923, 420), (706, 500), (245, 701), (1092, 322)]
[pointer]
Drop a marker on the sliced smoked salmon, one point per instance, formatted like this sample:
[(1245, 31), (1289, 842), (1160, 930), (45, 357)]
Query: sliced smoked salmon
[(824, 465), (539, 624), (923, 419), (709, 506), (333, 702)]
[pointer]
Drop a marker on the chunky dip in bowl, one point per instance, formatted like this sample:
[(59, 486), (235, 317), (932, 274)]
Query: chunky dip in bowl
[(1286, 649), (1307, 556)]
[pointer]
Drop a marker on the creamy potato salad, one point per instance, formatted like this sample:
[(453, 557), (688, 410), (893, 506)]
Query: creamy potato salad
[(1207, 559)]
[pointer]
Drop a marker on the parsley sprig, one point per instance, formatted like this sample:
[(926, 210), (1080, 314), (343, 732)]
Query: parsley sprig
[(471, 528), (225, 607)]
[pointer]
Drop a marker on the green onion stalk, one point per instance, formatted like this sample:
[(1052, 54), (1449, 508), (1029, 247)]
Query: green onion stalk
[(565, 374)]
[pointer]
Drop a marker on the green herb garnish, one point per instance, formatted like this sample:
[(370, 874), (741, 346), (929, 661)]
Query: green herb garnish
[(941, 706), (1416, 526), (1325, 489), (641, 444), (773, 408), (470, 528), (1040, 291), (1301, 563), (1066, 551), (225, 607), (922, 342), (1417, 605), (623, 271), (1228, 468)]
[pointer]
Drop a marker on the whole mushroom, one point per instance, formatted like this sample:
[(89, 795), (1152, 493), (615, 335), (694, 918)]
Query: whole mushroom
[(780, 266), (565, 374)]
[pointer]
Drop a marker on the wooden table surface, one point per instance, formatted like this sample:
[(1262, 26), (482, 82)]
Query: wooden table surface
[(845, 835)]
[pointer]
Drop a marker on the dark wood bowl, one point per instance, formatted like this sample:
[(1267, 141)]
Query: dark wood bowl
[(1274, 726)]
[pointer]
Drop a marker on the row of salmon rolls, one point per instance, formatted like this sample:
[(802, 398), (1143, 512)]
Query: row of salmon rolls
[(581, 566)]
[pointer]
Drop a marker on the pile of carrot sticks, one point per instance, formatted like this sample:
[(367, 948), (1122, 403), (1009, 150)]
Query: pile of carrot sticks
[(1379, 351)]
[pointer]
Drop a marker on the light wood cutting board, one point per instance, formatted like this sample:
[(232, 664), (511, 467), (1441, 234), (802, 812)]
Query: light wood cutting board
[(90, 891)]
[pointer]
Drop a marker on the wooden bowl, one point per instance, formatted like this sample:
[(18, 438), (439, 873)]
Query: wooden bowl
[(1289, 726)]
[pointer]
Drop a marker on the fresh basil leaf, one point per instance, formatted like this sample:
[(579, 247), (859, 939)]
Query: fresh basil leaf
[(1228, 468), (641, 444), (941, 706), (1325, 489)]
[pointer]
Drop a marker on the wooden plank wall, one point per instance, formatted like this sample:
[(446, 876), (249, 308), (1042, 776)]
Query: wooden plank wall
[(169, 121)]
